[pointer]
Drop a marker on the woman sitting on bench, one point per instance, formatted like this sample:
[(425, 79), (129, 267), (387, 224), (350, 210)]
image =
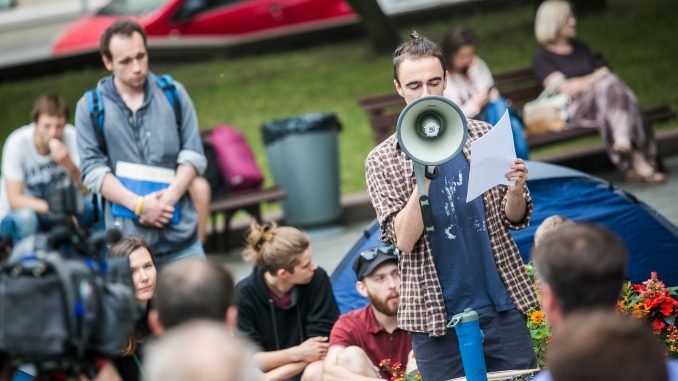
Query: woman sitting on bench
[(470, 85), (599, 99)]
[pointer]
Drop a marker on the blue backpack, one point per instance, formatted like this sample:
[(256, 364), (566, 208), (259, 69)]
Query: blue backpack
[(96, 106)]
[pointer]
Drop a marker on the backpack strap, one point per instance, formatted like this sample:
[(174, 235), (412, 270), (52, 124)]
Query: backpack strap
[(96, 114), (166, 83), (96, 107)]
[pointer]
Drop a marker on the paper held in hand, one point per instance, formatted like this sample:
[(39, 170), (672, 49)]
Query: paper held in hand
[(142, 180), (491, 158)]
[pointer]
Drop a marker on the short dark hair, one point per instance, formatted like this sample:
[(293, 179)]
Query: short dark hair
[(50, 104), (454, 39), (193, 288), (125, 27), (417, 47), (604, 345), (584, 264)]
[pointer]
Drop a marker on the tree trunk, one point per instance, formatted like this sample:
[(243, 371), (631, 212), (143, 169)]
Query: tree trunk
[(380, 29)]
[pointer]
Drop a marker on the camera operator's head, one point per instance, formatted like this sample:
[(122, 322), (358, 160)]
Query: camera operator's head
[(193, 288), (200, 351), (141, 263)]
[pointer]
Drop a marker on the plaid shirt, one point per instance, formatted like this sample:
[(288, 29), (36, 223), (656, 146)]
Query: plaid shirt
[(390, 183)]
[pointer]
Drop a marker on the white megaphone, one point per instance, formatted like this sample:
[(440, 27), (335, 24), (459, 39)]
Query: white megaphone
[(431, 131)]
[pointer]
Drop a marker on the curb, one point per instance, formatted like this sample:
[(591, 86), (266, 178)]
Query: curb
[(355, 208)]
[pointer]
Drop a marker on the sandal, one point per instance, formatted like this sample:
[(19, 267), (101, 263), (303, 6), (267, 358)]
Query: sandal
[(653, 178)]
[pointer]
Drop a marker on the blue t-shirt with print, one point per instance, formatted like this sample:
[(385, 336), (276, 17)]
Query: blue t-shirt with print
[(461, 246)]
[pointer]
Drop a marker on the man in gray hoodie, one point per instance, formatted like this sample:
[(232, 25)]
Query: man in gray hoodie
[(141, 133)]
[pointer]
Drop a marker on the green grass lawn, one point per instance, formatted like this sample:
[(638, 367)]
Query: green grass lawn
[(636, 37)]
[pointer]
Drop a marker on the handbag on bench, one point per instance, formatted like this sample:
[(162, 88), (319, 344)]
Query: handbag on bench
[(547, 113)]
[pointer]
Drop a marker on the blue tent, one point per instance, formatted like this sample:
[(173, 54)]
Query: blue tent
[(652, 241)]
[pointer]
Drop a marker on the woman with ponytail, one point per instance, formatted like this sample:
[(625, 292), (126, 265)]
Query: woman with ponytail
[(286, 304)]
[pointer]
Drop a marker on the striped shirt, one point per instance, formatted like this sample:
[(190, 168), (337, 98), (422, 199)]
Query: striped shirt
[(390, 183)]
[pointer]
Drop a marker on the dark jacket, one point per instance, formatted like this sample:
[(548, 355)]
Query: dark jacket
[(312, 312)]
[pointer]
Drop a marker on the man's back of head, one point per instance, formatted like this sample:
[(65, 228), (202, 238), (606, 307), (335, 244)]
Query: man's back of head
[(200, 351), (604, 345), (194, 288), (583, 265)]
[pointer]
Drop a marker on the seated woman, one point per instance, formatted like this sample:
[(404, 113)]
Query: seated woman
[(144, 276), (599, 98), (470, 85), (286, 305)]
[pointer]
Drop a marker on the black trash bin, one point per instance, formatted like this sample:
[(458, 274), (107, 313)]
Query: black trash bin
[(303, 155)]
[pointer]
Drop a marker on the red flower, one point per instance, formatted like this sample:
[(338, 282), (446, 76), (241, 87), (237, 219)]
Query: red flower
[(666, 308), (654, 301), (658, 325)]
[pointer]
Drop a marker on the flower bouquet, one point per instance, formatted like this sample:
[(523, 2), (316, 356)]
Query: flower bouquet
[(398, 372), (654, 303)]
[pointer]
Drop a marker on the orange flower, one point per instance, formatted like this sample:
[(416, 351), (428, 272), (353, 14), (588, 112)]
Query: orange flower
[(536, 317), (640, 309)]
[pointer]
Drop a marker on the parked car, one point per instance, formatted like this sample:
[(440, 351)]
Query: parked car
[(196, 20)]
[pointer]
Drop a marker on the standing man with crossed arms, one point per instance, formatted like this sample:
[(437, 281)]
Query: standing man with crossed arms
[(140, 128)]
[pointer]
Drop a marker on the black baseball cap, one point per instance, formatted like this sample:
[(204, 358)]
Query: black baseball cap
[(371, 258)]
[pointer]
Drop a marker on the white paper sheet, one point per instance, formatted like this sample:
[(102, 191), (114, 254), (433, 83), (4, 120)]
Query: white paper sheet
[(491, 158)]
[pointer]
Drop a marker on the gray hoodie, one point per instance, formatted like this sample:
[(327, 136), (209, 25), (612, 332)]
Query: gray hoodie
[(148, 136)]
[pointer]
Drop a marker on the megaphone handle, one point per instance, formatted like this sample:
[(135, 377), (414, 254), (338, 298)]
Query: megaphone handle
[(426, 215), (424, 205)]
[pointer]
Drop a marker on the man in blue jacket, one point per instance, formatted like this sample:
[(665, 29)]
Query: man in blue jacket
[(141, 132)]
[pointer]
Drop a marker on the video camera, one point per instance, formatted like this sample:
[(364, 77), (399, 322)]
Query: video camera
[(61, 303)]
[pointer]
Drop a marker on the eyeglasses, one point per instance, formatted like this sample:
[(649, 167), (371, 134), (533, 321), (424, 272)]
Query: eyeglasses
[(371, 253)]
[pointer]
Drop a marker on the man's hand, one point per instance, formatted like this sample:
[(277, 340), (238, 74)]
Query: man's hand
[(154, 212), (58, 151), (516, 205), (519, 175), (313, 349)]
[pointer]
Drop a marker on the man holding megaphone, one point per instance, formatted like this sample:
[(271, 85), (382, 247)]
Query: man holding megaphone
[(466, 258)]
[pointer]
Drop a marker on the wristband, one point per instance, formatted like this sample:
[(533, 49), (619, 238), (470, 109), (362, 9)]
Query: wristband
[(140, 203)]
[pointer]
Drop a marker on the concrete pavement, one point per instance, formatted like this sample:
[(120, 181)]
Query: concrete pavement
[(28, 30)]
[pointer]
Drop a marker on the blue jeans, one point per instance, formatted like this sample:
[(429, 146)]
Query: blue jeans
[(22, 223), (491, 114), (19, 224), (507, 345), (193, 250)]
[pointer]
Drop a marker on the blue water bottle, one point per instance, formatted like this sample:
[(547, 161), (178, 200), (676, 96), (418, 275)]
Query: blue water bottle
[(470, 338)]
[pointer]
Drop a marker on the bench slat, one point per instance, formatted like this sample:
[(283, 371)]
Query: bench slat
[(247, 198)]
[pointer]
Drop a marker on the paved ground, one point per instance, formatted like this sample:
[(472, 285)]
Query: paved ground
[(28, 30)]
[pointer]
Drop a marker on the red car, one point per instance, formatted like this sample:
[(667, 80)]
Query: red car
[(190, 22)]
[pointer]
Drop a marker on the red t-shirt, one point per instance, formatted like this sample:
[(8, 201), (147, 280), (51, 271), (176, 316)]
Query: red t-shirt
[(360, 328)]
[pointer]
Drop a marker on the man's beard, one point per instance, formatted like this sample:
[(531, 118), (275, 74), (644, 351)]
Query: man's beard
[(383, 305)]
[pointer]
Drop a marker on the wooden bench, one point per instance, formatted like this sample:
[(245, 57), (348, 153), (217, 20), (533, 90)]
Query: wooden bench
[(228, 205), (517, 86)]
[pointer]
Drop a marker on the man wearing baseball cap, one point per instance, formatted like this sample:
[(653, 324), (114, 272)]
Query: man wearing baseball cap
[(362, 338)]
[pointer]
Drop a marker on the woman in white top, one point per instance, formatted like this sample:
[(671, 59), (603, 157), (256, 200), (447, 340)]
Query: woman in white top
[(470, 85)]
